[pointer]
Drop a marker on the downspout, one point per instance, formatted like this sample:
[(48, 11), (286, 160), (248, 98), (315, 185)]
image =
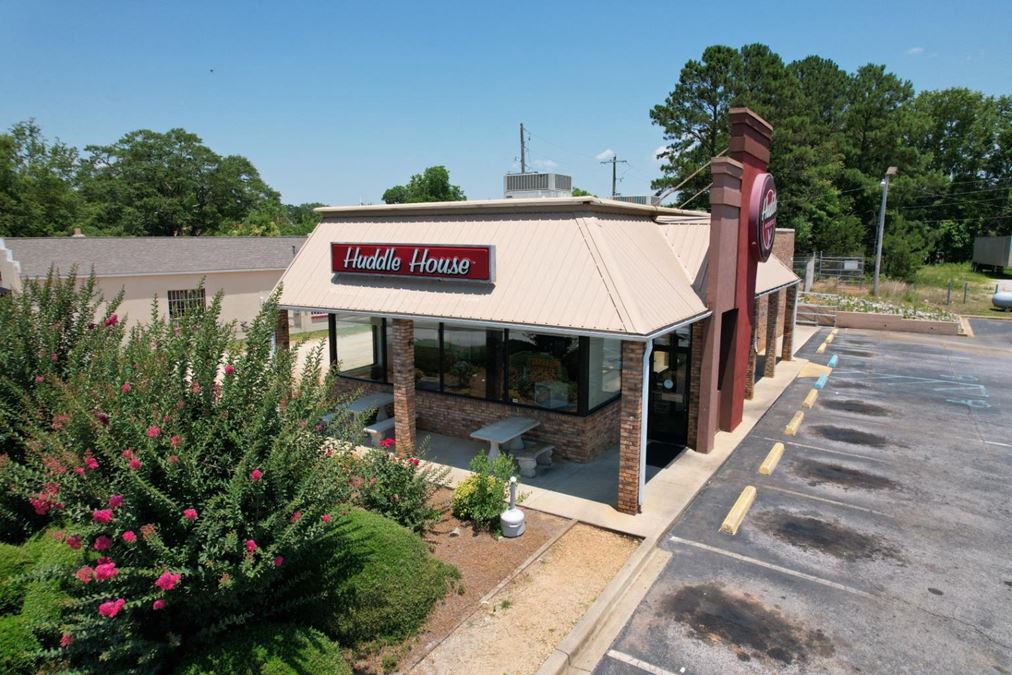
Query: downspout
[(644, 402)]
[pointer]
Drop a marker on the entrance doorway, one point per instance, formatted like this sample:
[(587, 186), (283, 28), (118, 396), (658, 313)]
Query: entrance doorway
[(668, 404)]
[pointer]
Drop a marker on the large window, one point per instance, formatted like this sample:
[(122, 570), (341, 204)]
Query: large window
[(554, 372), (544, 370), (359, 347), (184, 301)]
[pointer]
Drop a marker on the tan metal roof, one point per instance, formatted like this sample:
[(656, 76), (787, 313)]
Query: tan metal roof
[(534, 205), (591, 268), (689, 238)]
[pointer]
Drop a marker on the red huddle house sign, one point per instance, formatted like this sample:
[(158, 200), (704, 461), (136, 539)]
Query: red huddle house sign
[(762, 216), (464, 263)]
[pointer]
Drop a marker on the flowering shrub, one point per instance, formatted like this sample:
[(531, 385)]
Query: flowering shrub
[(176, 477), (481, 498), (50, 331), (398, 487)]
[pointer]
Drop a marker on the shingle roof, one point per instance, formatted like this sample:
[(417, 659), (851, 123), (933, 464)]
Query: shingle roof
[(134, 256)]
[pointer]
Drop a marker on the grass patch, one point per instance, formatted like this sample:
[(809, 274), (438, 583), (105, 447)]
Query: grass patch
[(280, 649)]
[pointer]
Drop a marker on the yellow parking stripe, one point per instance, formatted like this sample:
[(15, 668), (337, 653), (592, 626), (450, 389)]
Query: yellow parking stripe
[(772, 459), (737, 513)]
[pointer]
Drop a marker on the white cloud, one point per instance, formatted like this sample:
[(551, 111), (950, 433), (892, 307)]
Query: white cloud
[(657, 154), (605, 155), (915, 51), (545, 164)]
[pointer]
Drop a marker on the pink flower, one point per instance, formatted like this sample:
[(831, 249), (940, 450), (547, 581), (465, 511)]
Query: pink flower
[(111, 321), (195, 387), (295, 517), (173, 459), (91, 463), (128, 453), (65, 640), (116, 501), (190, 514), (125, 388), (85, 574), (73, 541), (325, 517), (388, 443), (251, 545), (102, 543), (255, 475), (111, 608), (168, 581), (414, 461), (103, 418), (229, 369), (158, 604), (129, 536), (153, 431), (174, 441), (79, 470), (101, 515), (279, 561), (105, 571), (134, 464), (53, 357), (39, 379)]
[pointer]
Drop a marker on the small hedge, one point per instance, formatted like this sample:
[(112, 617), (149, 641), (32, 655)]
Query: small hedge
[(14, 561), (279, 649), (380, 582), (19, 649)]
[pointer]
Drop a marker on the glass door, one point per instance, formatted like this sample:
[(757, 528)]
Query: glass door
[(668, 405)]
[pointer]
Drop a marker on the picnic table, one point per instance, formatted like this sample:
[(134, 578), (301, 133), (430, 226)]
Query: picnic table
[(378, 402), (505, 432)]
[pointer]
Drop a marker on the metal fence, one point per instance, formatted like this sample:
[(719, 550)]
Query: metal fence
[(845, 269), (812, 313)]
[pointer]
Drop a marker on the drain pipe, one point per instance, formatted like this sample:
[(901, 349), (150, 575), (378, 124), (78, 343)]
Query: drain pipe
[(644, 402)]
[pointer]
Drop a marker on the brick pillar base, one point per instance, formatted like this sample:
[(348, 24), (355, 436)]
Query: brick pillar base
[(281, 338), (695, 377), (403, 353), (750, 366), (630, 427), (787, 353), (772, 319)]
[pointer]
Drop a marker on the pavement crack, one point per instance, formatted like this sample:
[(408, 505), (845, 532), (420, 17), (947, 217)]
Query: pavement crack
[(946, 617)]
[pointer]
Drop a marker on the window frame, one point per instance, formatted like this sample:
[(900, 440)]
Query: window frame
[(186, 300)]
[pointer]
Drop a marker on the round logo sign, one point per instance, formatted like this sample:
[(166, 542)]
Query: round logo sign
[(762, 216)]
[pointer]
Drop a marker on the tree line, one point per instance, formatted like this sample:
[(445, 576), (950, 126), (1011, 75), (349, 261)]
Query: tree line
[(835, 134), (145, 184)]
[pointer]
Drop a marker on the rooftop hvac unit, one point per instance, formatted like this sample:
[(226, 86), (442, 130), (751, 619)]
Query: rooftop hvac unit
[(527, 185), (649, 200)]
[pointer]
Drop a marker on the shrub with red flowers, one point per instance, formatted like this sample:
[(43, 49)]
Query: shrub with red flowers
[(206, 474), (397, 487)]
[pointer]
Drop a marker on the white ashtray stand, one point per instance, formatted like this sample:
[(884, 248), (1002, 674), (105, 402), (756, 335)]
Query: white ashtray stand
[(512, 519)]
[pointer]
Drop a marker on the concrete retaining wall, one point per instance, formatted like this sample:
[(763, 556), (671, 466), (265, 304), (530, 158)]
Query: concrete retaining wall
[(870, 321)]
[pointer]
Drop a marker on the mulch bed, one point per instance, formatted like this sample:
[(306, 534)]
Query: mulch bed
[(483, 561)]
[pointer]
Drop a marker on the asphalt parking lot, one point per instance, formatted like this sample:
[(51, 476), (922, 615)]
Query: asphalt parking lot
[(881, 542)]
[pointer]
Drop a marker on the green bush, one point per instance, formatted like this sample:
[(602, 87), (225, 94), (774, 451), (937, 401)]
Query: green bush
[(279, 649), (19, 650), (400, 488), (14, 561), (190, 473), (481, 498), (380, 583)]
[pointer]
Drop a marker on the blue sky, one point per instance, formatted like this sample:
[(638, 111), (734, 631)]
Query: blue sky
[(335, 102)]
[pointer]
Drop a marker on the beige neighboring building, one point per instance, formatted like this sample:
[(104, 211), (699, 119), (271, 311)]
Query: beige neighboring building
[(244, 269)]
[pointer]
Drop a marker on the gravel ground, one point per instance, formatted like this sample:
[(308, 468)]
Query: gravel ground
[(524, 621)]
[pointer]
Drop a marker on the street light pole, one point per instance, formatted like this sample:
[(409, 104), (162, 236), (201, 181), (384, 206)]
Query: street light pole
[(890, 172)]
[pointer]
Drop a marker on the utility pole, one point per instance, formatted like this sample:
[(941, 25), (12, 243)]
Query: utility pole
[(613, 161), (890, 172), (523, 161)]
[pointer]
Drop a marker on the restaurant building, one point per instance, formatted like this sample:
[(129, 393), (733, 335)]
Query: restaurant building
[(609, 323)]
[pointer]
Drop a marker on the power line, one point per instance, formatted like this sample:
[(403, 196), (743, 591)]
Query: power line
[(614, 161)]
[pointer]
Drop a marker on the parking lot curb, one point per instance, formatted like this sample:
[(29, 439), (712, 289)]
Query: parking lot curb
[(792, 427)]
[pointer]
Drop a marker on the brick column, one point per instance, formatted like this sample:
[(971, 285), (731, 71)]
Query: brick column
[(750, 363), (281, 337), (695, 378), (772, 318), (790, 312), (403, 353), (630, 427)]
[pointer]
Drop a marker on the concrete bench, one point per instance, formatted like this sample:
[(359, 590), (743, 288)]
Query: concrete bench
[(531, 457), (378, 430)]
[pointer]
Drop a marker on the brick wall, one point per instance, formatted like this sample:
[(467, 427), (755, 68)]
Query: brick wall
[(580, 439), (783, 246), (403, 350), (630, 427), (281, 338), (695, 378)]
